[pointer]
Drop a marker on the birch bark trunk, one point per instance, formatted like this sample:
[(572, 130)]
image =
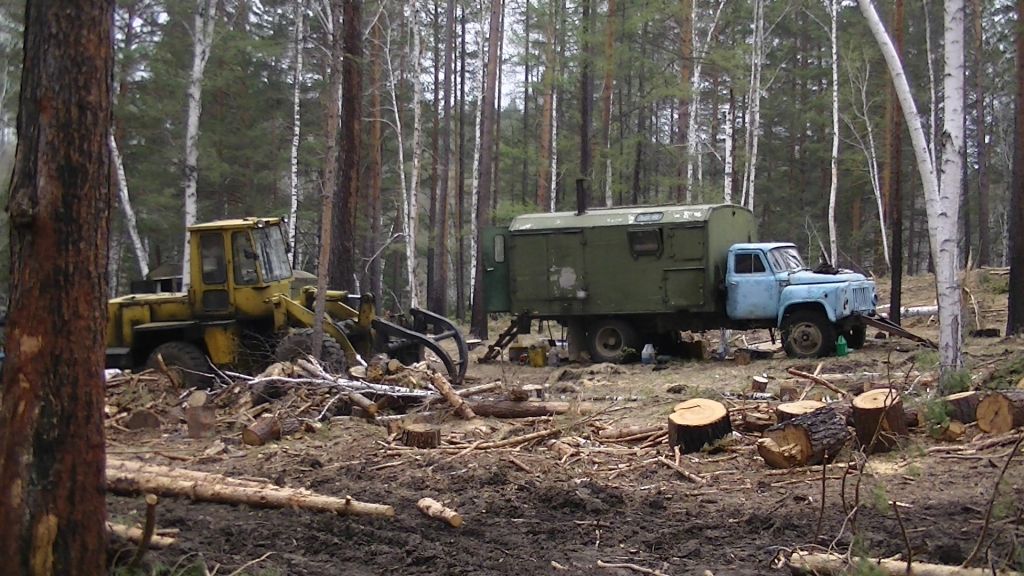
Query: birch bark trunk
[(202, 40), (293, 180), (129, 214), (833, 12)]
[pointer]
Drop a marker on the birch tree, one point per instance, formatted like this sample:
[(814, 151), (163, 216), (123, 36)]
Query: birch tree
[(942, 205), (126, 205), (293, 180), (832, 6), (752, 115), (699, 53), (202, 42)]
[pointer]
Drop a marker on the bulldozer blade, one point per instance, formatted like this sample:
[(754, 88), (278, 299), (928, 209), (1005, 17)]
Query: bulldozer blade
[(427, 330)]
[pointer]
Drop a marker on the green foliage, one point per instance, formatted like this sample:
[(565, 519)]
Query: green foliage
[(954, 381), (927, 359), (1008, 374), (878, 498), (936, 415)]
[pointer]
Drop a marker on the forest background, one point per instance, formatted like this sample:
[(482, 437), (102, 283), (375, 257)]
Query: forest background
[(692, 101)]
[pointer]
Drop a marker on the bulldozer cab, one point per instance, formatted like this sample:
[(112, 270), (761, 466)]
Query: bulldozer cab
[(237, 266)]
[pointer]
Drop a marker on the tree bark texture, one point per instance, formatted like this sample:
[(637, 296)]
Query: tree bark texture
[(895, 175), (344, 263), (376, 267), (52, 520), (1015, 229)]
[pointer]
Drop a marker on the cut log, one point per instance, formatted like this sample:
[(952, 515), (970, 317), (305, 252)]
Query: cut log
[(776, 456), (394, 366), (819, 381), (879, 419), (758, 384), (756, 421), (266, 429), (844, 409), (201, 421), (201, 487), (817, 436), (619, 433), (442, 385), (421, 436), (134, 534), (1001, 411), (141, 419), (369, 407), (438, 511), (963, 406), (789, 410), (807, 563), (914, 416), (197, 399), (697, 422), (950, 431), (512, 409), (789, 391)]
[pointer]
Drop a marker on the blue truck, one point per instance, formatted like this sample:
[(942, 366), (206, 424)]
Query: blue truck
[(620, 278)]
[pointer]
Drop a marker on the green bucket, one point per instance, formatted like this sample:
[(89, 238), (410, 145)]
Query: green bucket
[(841, 346)]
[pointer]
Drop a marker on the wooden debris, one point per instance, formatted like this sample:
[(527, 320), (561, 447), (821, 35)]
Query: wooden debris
[(266, 429), (438, 511), (818, 436), (697, 422), (147, 532), (421, 436), (950, 431), (203, 487), (964, 406), (141, 419), (807, 563), (560, 448), (789, 410), (879, 419), (620, 433), (818, 380), (133, 534), (512, 409), (682, 471), (519, 464), (1001, 411), (756, 421), (442, 385), (368, 407), (758, 384), (789, 392), (201, 421)]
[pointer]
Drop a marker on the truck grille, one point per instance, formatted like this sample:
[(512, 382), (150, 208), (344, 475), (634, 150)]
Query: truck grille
[(863, 299)]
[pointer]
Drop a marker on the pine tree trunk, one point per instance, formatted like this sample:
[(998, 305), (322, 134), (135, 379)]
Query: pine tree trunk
[(479, 318), (293, 173), (688, 84), (1015, 229), (984, 241), (895, 175), (606, 100), (51, 418), (344, 265), (376, 165), (460, 200), (432, 224), (202, 34), (440, 304), (586, 98)]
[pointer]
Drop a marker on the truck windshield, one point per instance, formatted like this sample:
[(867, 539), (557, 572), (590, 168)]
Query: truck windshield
[(785, 259), (271, 253)]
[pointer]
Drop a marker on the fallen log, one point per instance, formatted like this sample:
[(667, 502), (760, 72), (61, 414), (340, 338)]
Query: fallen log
[(445, 388), (879, 419), (215, 488), (269, 428), (134, 534), (963, 406), (807, 563), (819, 381), (513, 409), (818, 437), (369, 407), (909, 311), (1001, 411), (697, 422), (619, 433), (756, 421), (438, 511)]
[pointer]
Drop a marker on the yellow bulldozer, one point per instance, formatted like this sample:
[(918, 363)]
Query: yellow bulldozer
[(244, 309)]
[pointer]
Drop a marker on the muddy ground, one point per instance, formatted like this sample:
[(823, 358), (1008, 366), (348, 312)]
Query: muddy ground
[(607, 503)]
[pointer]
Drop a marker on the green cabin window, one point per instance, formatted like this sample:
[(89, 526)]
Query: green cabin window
[(211, 252), (645, 242), (499, 248), (749, 263)]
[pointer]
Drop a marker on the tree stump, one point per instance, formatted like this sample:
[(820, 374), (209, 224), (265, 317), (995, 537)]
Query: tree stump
[(963, 406), (1001, 411), (758, 384), (805, 440), (879, 411), (264, 430), (142, 419), (789, 410), (421, 436), (201, 421), (789, 391), (697, 422), (914, 416)]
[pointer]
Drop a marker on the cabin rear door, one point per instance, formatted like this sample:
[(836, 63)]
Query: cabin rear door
[(496, 277)]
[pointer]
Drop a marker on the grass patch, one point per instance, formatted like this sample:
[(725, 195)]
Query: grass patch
[(1008, 374), (993, 284), (927, 359)]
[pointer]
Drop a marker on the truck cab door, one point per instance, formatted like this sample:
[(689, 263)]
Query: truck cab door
[(496, 244), (752, 292)]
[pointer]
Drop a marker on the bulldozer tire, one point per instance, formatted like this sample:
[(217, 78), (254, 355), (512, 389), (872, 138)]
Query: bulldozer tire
[(808, 334), (299, 343), (185, 361)]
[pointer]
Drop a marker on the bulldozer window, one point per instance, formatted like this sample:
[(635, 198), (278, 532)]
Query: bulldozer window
[(244, 259), (273, 257), (211, 251)]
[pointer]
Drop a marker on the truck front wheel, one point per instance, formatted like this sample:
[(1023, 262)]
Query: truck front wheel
[(612, 340), (808, 334)]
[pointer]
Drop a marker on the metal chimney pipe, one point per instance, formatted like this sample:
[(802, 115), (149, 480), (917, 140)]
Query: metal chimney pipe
[(581, 196)]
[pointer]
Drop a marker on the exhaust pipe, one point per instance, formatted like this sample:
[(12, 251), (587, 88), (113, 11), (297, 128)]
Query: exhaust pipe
[(581, 196)]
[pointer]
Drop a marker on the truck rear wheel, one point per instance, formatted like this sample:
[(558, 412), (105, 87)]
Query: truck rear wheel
[(185, 361), (612, 340), (808, 334), (299, 344)]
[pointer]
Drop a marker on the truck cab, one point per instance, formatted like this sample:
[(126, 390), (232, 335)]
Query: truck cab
[(768, 282)]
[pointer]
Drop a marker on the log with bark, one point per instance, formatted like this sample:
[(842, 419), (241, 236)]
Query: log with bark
[(269, 428), (879, 419), (368, 407), (819, 381), (758, 384), (513, 409), (963, 406), (439, 511), (807, 563), (789, 410), (442, 385), (756, 421), (203, 487), (697, 422), (619, 433), (810, 439), (1001, 411), (421, 436)]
